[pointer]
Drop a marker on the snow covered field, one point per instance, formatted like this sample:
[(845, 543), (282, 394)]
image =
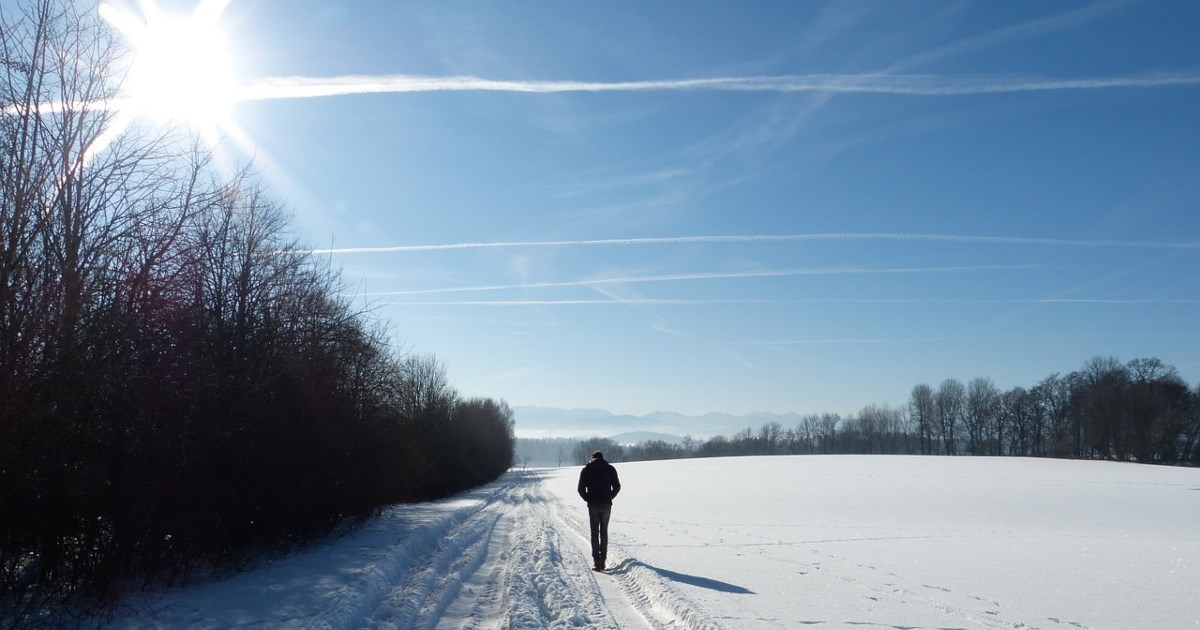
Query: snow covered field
[(744, 543)]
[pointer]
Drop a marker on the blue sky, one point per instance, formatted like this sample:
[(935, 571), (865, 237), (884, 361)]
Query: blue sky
[(946, 189)]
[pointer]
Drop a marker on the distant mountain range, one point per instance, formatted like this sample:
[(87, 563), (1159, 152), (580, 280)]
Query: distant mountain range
[(542, 422), (640, 437)]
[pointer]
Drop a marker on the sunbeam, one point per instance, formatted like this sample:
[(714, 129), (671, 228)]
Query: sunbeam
[(182, 70)]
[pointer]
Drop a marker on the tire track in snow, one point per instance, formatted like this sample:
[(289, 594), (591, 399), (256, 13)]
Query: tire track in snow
[(420, 600), (543, 588), (657, 604), (357, 601), (497, 562)]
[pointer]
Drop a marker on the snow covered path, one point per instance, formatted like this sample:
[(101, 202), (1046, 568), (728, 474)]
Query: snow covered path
[(747, 543), (507, 560), (504, 556)]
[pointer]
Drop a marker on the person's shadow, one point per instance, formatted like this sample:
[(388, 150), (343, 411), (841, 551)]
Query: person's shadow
[(629, 564)]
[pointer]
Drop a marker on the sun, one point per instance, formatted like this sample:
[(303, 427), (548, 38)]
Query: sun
[(181, 70)]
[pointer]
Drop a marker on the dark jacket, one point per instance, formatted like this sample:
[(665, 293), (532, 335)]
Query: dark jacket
[(598, 483)]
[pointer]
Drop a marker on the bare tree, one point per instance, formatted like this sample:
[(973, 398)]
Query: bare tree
[(868, 427), (949, 403), (802, 437), (1190, 447), (770, 437), (981, 416), (923, 410), (612, 451), (1158, 403), (1052, 433), (892, 429), (1096, 407), (827, 430), (810, 426), (1017, 408)]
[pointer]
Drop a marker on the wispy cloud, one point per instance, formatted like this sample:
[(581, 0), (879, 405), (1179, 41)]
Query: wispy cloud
[(719, 275), (610, 183), (904, 84), (742, 360), (670, 331), (767, 238), (1007, 35)]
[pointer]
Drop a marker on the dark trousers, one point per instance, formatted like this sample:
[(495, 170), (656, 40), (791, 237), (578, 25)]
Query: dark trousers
[(598, 517)]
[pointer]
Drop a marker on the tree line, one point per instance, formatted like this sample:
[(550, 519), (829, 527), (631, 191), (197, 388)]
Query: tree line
[(1140, 411), (181, 387)]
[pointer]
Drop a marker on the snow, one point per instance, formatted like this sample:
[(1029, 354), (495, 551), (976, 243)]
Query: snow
[(743, 543)]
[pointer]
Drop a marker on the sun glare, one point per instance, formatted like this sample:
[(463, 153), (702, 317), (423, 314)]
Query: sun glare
[(181, 70)]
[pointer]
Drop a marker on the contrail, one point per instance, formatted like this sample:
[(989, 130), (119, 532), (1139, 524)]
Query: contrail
[(737, 301), (771, 273), (852, 340), (552, 302), (808, 342), (763, 238), (887, 84), (906, 84)]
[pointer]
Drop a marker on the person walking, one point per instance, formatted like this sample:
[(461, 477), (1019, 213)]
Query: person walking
[(599, 485)]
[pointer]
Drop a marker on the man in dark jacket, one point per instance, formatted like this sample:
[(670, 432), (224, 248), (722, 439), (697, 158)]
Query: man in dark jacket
[(598, 485)]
